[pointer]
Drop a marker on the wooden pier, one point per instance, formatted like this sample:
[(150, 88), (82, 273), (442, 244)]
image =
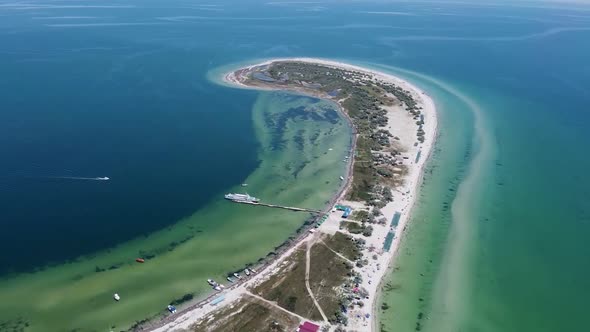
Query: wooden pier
[(291, 208)]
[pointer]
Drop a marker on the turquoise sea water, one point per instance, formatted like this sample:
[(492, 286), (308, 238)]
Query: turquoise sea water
[(121, 89)]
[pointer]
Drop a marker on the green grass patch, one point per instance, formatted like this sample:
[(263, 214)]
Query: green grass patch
[(327, 273), (359, 215), (287, 288), (352, 227), (248, 314), (344, 245)]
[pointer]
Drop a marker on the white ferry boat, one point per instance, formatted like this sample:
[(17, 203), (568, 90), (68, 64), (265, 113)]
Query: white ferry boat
[(242, 198)]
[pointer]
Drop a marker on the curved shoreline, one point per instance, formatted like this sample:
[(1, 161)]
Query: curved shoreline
[(232, 79), (402, 203)]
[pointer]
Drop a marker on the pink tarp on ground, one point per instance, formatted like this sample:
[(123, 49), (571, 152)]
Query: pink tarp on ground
[(308, 327)]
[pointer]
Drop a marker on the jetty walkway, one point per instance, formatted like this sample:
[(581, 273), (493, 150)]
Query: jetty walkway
[(292, 208)]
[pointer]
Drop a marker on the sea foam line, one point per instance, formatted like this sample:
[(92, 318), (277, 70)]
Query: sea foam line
[(34, 6), (387, 13), (83, 25), (538, 35), (63, 17)]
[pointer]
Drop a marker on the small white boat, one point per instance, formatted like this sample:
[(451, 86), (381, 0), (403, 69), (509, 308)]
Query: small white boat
[(237, 276), (342, 178), (229, 279), (116, 297), (244, 184), (247, 272), (211, 282), (252, 270), (217, 288)]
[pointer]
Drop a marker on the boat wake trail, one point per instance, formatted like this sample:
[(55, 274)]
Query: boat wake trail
[(104, 178)]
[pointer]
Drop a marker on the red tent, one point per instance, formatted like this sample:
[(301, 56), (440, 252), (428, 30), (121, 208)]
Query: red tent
[(308, 327)]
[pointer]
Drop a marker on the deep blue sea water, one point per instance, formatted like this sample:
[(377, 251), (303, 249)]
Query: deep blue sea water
[(95, 108), (119, 89)]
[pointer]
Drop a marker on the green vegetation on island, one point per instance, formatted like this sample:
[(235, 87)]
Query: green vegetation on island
[(378, 165)]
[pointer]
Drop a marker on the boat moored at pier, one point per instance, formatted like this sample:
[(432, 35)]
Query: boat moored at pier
[(242, 198)]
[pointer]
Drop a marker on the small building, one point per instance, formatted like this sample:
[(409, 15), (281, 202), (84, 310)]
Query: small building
[(347, 212), (308, 327)]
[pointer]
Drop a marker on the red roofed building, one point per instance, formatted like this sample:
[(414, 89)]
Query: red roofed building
[(308, 327)]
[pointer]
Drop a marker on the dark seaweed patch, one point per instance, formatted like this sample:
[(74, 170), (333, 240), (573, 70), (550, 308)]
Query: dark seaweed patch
[(18, 324), (278, 122), (185, 298), (299, 140), (313, 138), (331, 116), (299, 168)]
